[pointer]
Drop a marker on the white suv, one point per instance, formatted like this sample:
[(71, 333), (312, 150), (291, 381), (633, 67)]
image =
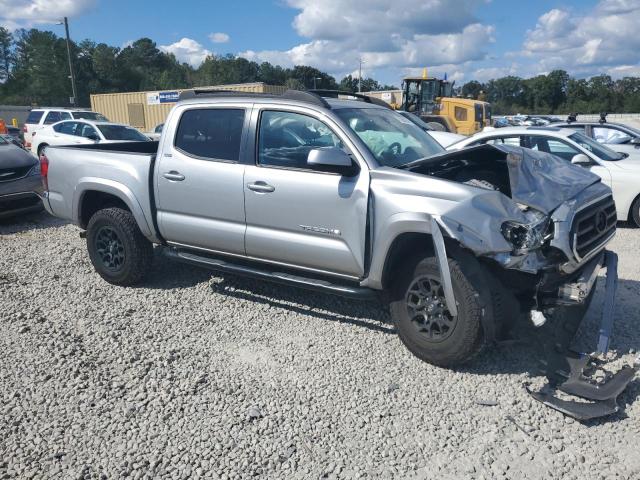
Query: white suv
[(618, 170), (39, 117)]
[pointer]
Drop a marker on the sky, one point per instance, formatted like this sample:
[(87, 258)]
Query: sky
[(466, 39)]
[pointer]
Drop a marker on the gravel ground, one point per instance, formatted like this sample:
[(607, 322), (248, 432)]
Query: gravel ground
[(200, 375)]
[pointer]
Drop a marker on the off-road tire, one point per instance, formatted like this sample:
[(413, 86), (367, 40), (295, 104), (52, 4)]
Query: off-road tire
[(138, 251), (634, 216), (465, 341)]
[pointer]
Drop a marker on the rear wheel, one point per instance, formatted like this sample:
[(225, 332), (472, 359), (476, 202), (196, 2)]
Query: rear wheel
[(424, 323), (118, 250)]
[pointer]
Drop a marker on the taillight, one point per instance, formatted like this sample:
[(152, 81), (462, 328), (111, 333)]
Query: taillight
[(44, 171), (27, 140)]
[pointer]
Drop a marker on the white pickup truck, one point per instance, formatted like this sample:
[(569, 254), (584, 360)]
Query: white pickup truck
[(349, 197)]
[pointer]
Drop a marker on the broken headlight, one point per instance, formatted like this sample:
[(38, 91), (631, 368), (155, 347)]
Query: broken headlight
[(526, 236)]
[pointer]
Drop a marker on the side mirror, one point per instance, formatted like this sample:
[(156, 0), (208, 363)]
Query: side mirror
[(635, 141), (94, 137), (581, 159), (332, 159)]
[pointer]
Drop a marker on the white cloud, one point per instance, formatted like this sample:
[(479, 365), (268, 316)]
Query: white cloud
[(187, 50), (388, 36), (25, 13), (219, 37), (596, 42)]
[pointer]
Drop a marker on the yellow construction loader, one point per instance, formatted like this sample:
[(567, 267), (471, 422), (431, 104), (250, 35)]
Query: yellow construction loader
[(433, 101)]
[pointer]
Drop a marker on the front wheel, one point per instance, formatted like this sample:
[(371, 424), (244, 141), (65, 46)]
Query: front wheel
[(118, 250), (424, 323)]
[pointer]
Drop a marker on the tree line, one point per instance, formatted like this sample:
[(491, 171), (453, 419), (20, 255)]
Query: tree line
[(34, 70), (557, 93)]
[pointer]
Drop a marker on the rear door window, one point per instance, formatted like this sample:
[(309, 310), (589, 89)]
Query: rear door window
[(511, 141), (67, 128), (610, 135), (34, 116), (211, 133), (85, 130), (552, 145), (56, 116)]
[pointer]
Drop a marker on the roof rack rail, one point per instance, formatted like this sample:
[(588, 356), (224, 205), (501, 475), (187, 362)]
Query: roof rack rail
[(337, 93), (299, 95)]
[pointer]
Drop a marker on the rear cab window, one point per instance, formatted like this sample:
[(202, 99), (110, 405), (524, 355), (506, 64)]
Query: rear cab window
[(211, 133), (34, 117)]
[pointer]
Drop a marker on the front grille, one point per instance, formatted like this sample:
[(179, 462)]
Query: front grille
[(593, 226), (7, 174)]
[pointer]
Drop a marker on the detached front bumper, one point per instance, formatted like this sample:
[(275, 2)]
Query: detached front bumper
[(571, 372)]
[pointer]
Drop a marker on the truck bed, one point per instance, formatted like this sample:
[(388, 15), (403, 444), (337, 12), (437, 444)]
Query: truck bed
[(122, 169)]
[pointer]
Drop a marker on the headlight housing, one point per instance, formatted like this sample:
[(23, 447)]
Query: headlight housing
[(526, 236), (35, 170)]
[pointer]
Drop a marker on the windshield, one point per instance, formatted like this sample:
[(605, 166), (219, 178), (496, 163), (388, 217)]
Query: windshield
[(121, 132), (599, 150), (392, 139), (90, 116), (417, 120), (632, 129)]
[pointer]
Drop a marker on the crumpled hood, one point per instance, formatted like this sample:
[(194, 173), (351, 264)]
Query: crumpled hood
[(12, 156), (539, 180)]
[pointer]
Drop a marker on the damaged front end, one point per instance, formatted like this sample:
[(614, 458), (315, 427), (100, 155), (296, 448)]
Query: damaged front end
[(548, 223), (572, 373)]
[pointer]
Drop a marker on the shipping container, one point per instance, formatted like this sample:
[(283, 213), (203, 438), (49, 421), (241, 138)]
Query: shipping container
[(392, 97), (145, 110)]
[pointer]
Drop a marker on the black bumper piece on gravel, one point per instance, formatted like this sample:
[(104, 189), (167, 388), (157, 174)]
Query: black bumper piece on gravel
[(572, 373)]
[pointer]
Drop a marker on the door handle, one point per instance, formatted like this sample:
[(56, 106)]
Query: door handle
[(261, 187), (173, 176)]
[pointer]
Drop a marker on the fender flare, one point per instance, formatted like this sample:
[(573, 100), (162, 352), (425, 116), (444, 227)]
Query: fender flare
[(116, 189), (392, 228)]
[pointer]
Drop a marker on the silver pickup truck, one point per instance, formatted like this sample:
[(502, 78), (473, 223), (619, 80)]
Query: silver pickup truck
[(349, 197)]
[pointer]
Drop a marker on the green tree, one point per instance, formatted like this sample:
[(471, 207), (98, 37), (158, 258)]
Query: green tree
[(472, 89), (6, 53)]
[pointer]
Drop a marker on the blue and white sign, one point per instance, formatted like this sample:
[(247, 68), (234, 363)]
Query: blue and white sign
[(168, 97), (156, 98)]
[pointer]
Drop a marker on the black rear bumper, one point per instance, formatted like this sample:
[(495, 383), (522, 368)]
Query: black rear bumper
[(21, 203)]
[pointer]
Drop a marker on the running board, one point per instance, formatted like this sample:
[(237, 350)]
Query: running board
[(316, 284)]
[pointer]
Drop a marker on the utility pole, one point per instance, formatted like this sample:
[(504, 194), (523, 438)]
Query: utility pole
[(71, 76), (360, 76)]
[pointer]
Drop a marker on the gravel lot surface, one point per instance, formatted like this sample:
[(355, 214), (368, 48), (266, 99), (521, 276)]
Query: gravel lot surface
[(199, 375)]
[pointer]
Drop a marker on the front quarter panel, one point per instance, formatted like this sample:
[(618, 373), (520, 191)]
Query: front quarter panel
[(405, 202)]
